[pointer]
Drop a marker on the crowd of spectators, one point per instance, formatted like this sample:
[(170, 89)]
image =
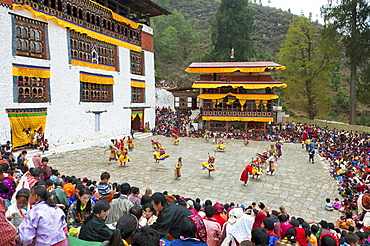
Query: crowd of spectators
[(39, 206)]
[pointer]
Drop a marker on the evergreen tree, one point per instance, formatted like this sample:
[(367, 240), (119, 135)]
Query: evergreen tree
[(351, 18), (233, 29), (308, 58)]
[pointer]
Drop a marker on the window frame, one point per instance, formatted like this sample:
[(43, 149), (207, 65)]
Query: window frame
[(88, 88)]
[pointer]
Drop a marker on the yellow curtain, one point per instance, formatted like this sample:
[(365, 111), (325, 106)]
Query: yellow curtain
[(138, 83), (238, 118), (231, 69), (96, 78), (22, 120), (30, 71), (137, 112), (79, 29), (210, 85), (81, 63)]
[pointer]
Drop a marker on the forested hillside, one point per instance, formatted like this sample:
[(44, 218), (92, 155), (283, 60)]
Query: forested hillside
[(185, 36), (189, 34)]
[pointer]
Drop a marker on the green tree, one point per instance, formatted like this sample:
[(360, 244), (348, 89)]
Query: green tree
[(233, 29), (308, 59), (351, 18)]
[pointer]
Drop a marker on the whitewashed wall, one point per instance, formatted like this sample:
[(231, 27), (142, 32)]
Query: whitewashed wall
[(164, 98), (68, 120)]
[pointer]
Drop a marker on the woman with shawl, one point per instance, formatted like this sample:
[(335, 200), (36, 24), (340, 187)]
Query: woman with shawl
[(7, 189), (234, 215), (243, 227), (288, 235)]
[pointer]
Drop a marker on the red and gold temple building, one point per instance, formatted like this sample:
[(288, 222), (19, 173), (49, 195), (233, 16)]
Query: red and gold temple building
[(236, 94)]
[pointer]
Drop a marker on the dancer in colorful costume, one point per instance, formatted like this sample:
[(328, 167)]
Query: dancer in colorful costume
[(130, 143), (156, 145), (271, 165), (279, 152), (123, 158), (160, 155), (245, 174), (209, 165), (178, 168), (176, 139), (220, 146), (113, 153), (256, 169)]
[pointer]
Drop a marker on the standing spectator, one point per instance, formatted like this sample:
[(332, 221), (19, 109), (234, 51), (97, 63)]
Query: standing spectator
[(43, 220), (311, 154), (22, 161)]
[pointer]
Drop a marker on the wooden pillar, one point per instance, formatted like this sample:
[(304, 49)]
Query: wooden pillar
[(209, 125), (227, 126), (264, 126), (246, 126)]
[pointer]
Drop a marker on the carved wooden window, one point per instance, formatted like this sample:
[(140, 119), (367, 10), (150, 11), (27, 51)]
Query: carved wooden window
[(92, 50), (137, 62), (92, 92), (31, 90), (137, 95), (30, 37)]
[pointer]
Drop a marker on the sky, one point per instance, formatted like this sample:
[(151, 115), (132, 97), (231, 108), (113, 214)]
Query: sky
[(298, 6)]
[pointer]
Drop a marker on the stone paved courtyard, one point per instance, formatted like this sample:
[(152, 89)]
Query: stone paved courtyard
[(298, 185)]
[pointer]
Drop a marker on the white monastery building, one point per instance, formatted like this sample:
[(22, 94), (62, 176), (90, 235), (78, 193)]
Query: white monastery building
[(75, 70)]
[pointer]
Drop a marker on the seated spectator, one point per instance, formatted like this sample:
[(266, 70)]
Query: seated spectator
[(18, 210), (328, 206), (43, 220), (80, 209), (269, 227), (59, 195), (126, 225), (106, 191), (76, 195), (69, 187), (187, 234), (288, 233), (149, 213), (7, 231), (170, 216), (145, 236), (94, 228), (260, 237), (7, 189), (336, 204), (213, 228), (120, 205)]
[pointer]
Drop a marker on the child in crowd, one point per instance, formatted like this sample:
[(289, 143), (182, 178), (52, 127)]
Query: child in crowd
[(328, 205), (17, 211), (106, 191), (336, 204)]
